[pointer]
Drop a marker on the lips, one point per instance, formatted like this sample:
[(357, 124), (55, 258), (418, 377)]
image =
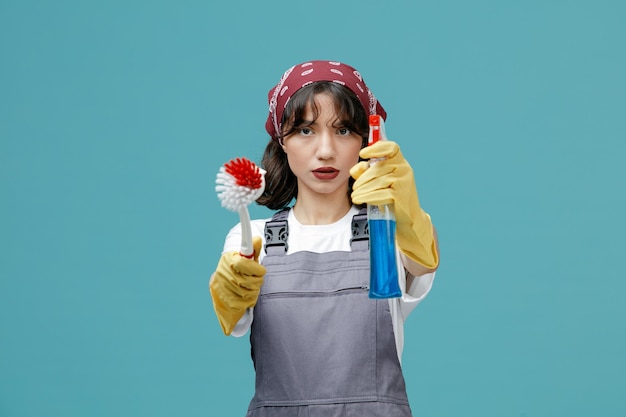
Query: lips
[(325, 173)]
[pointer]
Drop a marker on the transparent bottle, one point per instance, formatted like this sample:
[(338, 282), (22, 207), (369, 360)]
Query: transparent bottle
[(382, 233)]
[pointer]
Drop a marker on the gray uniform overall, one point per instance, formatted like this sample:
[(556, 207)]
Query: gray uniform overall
[(320, 345)]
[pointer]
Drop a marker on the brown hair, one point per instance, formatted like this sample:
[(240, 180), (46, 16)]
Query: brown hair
[(281, 185)]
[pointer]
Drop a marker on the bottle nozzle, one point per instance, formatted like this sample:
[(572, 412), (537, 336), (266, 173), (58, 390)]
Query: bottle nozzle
[(374, 122)]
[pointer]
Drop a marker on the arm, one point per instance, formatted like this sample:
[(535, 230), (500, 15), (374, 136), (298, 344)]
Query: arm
[(391, 181), (417, 269), (235, 286)]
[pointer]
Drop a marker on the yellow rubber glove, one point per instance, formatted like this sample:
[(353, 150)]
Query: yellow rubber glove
[(235, 286), (391, 181)]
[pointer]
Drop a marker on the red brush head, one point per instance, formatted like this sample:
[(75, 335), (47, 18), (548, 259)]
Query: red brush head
[(245, 172)]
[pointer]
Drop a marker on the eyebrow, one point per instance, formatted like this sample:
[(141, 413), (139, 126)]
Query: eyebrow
[(304, 123), (340, 123), (337, 123)]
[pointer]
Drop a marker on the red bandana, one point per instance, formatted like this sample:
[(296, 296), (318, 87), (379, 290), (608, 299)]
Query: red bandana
[(306, 73)]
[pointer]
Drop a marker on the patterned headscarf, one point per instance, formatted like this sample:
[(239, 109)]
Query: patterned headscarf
[(306, 73)]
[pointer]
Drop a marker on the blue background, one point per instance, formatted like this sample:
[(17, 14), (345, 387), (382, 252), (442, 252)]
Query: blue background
[(115, 117)]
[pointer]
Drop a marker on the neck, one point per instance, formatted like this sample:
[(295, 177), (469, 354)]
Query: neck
[(320, 212)]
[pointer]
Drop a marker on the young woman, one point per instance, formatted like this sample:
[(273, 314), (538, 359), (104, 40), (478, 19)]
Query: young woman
[(320, 345)]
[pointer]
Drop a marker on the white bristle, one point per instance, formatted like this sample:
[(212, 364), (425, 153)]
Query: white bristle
[(234, 197)]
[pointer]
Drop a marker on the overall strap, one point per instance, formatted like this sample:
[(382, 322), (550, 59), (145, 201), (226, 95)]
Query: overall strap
[(360, 231), (277, 232)]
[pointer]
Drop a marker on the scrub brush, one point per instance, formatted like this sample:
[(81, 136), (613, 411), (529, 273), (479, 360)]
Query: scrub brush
[(239, 183)]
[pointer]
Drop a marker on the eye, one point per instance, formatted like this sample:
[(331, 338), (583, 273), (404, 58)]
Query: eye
[(306, 131), (343, 131)]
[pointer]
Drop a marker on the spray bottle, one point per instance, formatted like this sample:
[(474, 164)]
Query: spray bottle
[(382, 232)]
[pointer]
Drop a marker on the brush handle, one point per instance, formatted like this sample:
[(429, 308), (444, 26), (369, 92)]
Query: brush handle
[(246, 250)]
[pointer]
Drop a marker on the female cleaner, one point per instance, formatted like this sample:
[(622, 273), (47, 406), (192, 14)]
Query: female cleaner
[(320, 345)]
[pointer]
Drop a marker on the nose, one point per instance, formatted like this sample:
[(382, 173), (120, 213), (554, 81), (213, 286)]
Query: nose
[(325, 145)]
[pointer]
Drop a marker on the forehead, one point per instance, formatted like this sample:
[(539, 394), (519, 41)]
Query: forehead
[(322, 105)]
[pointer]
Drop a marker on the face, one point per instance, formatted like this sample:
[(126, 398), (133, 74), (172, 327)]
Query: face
[(322, 151)]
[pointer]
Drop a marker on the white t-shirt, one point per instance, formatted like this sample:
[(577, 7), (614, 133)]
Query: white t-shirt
[(335, 237)]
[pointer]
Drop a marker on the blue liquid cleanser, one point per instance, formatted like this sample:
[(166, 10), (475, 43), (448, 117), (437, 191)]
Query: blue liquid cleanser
[(383, 266), (382, 231)]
